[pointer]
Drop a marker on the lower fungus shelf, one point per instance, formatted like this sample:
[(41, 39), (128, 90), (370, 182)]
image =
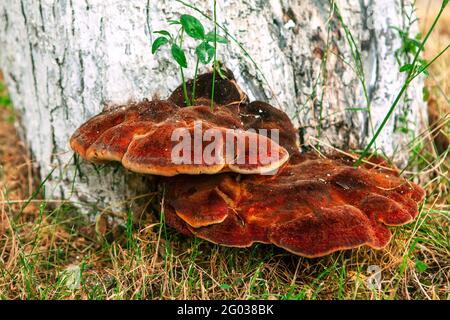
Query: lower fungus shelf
[(304, 208)]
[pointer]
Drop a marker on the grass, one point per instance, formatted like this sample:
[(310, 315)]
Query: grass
[(50, 247)]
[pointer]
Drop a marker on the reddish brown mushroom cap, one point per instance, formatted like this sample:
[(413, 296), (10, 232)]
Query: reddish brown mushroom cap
[(112, 130), (255, 115), (143, 138), (311, 208), (260, 115)]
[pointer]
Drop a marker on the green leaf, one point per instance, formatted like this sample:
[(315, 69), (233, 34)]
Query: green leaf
[(192, 26), (426, 94), (225, 286), (164, 33), (5, 101), (179, 56), (210, 38), (218, 67), (172, 22), (423, 67), (205, 52), (404, 130), (424, 71), (421, 266), (10, 119), (411, 45), (406, 67), (415, 42), (160, 41)]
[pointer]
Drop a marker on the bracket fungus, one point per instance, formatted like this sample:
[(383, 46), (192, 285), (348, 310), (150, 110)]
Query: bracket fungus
[(310, 205), (160, 138)]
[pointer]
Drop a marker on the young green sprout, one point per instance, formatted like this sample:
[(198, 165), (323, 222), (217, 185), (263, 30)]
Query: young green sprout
[(204, 51)]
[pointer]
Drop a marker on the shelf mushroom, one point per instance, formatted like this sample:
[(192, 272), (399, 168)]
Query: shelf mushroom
[(313, 206), (160, 138), (310, 205)]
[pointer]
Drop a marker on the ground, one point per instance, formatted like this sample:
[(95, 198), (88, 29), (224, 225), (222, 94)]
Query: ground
[(46, 245)]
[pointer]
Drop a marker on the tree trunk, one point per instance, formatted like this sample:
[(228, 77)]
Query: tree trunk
[(64, 60)]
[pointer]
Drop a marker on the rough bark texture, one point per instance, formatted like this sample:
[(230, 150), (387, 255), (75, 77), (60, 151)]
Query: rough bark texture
[(64, 60)]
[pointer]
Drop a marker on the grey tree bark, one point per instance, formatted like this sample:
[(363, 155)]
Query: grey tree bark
[(64, 60)]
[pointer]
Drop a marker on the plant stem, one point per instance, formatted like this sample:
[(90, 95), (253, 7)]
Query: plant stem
[(215, 53), (246, 54), (195, 81), (185, 93), (186, 97), (431, 62), (408, 80)]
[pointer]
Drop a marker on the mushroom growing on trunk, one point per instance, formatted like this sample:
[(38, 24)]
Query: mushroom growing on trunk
[(313, 206), (145, 136), (309, 204)]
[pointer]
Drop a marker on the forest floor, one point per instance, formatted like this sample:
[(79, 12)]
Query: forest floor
[(48, 251)]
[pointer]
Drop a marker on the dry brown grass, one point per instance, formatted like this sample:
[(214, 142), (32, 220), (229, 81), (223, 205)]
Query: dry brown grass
[(152, 262), (438, 83)]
